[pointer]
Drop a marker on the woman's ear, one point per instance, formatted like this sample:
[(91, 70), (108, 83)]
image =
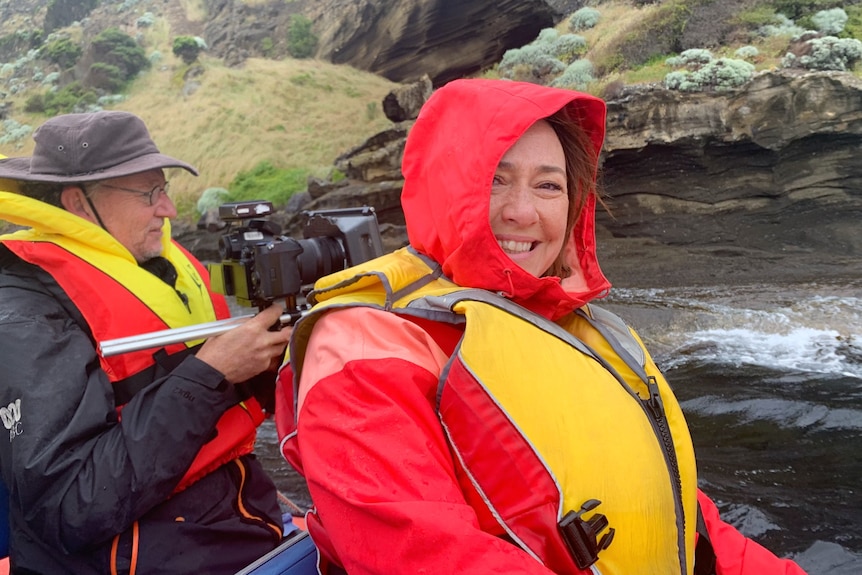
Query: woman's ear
[(74, 201)]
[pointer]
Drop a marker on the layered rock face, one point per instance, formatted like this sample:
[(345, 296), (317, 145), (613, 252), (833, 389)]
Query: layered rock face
[(446, 39), (774, 166)]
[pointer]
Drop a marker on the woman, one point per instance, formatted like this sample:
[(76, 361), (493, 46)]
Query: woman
[(460, 406)]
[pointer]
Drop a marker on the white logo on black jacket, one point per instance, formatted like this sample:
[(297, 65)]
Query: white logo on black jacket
[(11, 416)]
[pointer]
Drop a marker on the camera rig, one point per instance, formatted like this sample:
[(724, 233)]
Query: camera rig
[(260, 265)]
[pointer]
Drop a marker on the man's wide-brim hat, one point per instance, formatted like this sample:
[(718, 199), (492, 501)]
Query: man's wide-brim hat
[(89, 147)]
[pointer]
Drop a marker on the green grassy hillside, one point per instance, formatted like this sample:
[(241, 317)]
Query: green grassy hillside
[(293, 113)]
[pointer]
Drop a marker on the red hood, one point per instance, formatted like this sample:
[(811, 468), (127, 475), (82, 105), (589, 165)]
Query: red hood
[(450, 158)]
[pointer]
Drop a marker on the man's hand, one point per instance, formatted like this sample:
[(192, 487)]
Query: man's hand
[(248, 349)]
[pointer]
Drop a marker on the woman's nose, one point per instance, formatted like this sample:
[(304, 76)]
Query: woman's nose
[(519, 205)]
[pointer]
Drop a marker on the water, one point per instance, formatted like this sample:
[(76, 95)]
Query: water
[(770, 380)]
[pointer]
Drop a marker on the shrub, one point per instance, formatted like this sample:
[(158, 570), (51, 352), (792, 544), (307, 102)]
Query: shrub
[(14, 132), (187, 48), (211, 199), (826, 53), (695, 57), (796, 9), (146, 20), (106, 77), (115, 48), (301, 41), (547, 36), (110, 100), (51, 79), (584, 19), (35, 104), (723, 74), (782, 26), (746, 53), (62, 52), (707, 74), (576, 75), (543, 59), (531, 63), (73, 97), (569, 46), (266, 182), (830, 22)]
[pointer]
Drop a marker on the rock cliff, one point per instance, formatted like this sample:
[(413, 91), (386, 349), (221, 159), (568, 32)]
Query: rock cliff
[(446, 39)]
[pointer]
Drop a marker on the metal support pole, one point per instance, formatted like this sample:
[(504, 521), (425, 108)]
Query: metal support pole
[(180, 334)]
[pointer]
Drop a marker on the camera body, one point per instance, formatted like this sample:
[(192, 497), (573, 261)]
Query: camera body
[(260, 265)]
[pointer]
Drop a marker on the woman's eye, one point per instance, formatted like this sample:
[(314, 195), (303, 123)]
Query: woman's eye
[(551, 187)]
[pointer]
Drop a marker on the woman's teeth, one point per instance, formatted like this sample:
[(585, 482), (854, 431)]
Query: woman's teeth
[(513, 247)]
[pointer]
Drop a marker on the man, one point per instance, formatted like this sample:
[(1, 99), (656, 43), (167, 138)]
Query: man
[(140, 462)]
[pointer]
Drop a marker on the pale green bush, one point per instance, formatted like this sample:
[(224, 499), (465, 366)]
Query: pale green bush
[(211, 198), (51, 78), (747, 52), (531, 63), (569, 46), (543, 59), (14, 132), (584, 19), (830, 22), (577, 75), (146, 20), (827, 53), (783, 26), (707, 73), (723, 74), (547, 36)]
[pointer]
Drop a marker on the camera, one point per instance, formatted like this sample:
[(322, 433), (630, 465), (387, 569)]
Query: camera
[(260, 265)]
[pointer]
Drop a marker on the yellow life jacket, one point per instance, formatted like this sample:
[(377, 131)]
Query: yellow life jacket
[(546, 416), (93, 268)]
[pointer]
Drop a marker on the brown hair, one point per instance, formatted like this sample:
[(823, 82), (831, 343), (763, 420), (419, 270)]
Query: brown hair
[(581, 172)]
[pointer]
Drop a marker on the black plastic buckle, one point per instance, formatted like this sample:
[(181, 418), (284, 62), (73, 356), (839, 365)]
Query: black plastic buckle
[(582, 535)]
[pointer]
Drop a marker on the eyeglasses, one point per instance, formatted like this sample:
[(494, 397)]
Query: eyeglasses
[(152, 196)]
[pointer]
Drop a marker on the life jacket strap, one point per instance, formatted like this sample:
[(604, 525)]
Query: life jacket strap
[(164, 363)]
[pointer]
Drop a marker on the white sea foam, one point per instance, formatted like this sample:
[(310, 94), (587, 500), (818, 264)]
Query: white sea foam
[(807, 328)]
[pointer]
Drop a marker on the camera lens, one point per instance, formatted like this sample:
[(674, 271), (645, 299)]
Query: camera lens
[(320, 256)]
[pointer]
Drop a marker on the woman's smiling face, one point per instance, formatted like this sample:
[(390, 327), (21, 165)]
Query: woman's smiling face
[(529, 200)]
